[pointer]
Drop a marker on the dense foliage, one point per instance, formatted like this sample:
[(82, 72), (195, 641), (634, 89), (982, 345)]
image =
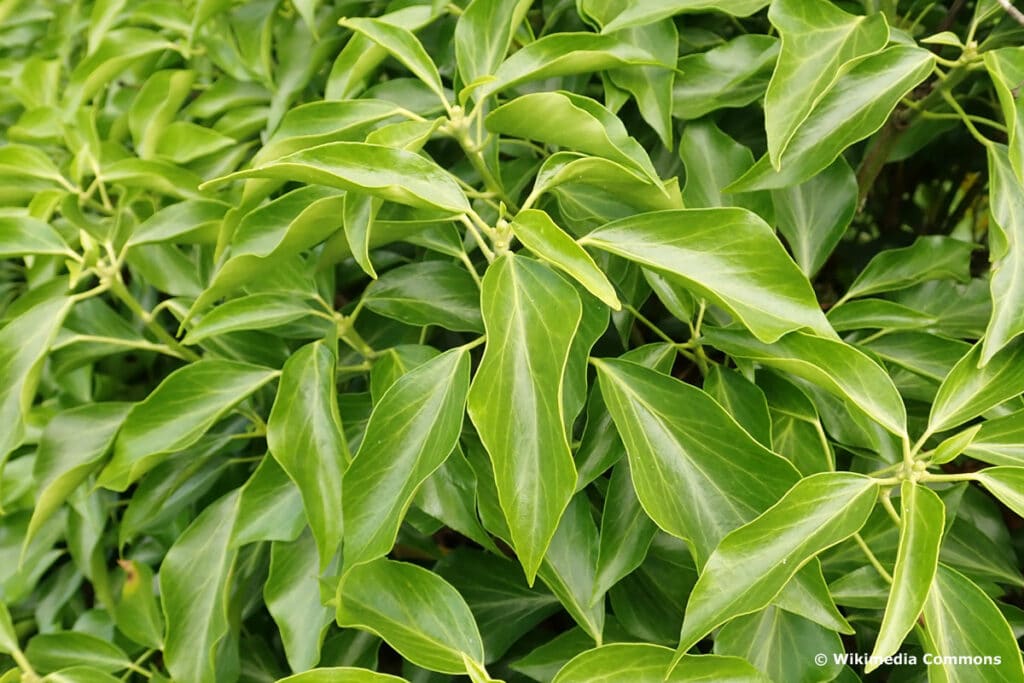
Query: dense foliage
[(565, 341)]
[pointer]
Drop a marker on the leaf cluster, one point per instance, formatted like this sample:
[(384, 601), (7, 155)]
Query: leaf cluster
[(497, 340)]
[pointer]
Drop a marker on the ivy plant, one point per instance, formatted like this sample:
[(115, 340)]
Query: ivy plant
[(497, 340)]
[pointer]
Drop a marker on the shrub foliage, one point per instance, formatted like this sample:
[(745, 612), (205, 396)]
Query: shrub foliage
[(555, 341)]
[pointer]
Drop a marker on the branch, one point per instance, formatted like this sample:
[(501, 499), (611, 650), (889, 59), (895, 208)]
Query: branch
[(1012, 11)]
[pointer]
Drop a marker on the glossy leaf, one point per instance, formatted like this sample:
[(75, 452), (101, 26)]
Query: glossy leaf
[(832, 365), (305, 436), (969, 391), (292, 593), (564, 54), (731, 75), (574, 122), (1006, 251), (813, 215), (856, 106), (52, 651), (964, 622), (547, 241), (414, 610), (483, 35), (412, 430), (1006, 69), (24, 236), (24, 342), (429, 293), (817, 41), (645, 663), (927, 258), (253, 312), (72, 447), (681, 451), (178, 412), (828, 508), (749, 273), (515, 400), (922, 522), (403, 46), (193, 588), (391, 174)]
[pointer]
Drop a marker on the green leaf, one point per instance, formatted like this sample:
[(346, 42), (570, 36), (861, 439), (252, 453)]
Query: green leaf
[(316, 123), (684, 450), (626, 532), (118, 50), (25, 236), (969, 391), (651, 86), (569, 566), (403, 46), (779, 643), (813, 215), (52, 651), (269, 506), (574, 122), (483, 35), (24, 342), (266, 236), (341, 674), (922, 523), (729, 256), (1006, 69), (742, 399), (531, 315), (835, 366), (391, 174), (79, 674), (305, 436), (817, 42), (137, 613), (566, 169), (428, 293), (361, 56), (646, 663), (177, 413), (857, 105), (817, 513), (194, 585), (415, 611), (1005, 483), (292, 595), (504, 607), (8, 636), (253, 312), (964, 622), (189, 221), (1006, 251), (1000, 441), (731, 75), (713, 160), (564, 54), (651, 11), (547, 241), (930, 257), (412, 430), (73, 446)]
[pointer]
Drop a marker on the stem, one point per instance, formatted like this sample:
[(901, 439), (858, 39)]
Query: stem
[(475, 232), (117, 287), (1017, 15), (962, 476), (890, 508), (975, 133), (872, 558), (650, 325)]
